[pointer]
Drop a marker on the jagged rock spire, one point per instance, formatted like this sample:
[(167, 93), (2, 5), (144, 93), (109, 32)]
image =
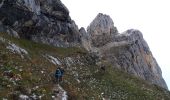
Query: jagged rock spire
[(101, 30)]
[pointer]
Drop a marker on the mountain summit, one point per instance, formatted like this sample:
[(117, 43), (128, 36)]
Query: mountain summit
[(101, 30), (127, 51)]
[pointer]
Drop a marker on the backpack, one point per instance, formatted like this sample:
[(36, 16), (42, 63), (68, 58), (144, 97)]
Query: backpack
[(62, 72), (58, 73)]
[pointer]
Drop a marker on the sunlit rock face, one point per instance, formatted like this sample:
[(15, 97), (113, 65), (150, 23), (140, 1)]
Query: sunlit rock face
[(45, 21)]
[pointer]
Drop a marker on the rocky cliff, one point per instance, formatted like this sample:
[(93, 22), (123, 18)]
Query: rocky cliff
[(101, 30), (48, 22), (45, 21), (127, 51), (27, 73)]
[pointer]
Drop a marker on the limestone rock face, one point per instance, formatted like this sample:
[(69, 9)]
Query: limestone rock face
[(48, 21), (127, 51), (101, 30), (85, 39), (130, 52), (45, 21), (32, 5)]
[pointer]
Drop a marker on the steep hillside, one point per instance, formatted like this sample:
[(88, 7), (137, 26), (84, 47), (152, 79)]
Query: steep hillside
[(27, 71), (37, 36)]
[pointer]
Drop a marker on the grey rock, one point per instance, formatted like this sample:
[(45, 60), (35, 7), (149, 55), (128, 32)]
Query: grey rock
[(83, 33), (23, 97), (13, 33), (132, 54), (48, 21), (54, 8), (85, 39), (10, 31), (127, 51), (101, 30), (1, 3), (45, 21), (32, 5)]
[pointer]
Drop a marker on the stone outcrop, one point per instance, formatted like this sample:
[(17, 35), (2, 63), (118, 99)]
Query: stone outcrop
[(127, 51), (48, 21), (85, 39), (45, 21), (133, 55), (101, 30)]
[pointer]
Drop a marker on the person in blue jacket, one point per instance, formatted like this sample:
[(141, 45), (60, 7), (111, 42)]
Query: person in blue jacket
[(59, 74)]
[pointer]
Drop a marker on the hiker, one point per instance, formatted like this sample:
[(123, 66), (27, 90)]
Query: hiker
[(59, 74), (102, 68)]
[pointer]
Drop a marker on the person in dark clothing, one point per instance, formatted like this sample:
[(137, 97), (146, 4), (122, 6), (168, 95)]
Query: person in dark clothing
[(59, 74), (103, 68)]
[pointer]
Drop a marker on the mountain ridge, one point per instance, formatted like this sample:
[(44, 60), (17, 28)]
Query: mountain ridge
[(104, 38), (36, 36)]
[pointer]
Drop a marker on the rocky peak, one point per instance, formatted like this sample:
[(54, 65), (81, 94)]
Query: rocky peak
[(45, 21), (130, 52), (127, 51), (48, 21), (101, 26)]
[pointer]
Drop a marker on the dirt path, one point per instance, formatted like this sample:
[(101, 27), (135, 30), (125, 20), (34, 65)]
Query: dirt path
[(59, 93)]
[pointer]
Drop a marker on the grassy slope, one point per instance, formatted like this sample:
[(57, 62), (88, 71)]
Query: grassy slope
[(113, 83)]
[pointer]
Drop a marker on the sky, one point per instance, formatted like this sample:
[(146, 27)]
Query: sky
[(151, 17)]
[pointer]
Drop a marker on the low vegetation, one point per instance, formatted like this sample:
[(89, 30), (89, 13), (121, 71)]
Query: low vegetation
[(33, 75)]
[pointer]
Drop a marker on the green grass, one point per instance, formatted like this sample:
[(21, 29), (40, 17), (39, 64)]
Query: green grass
[(114, 83), (38, 48)]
